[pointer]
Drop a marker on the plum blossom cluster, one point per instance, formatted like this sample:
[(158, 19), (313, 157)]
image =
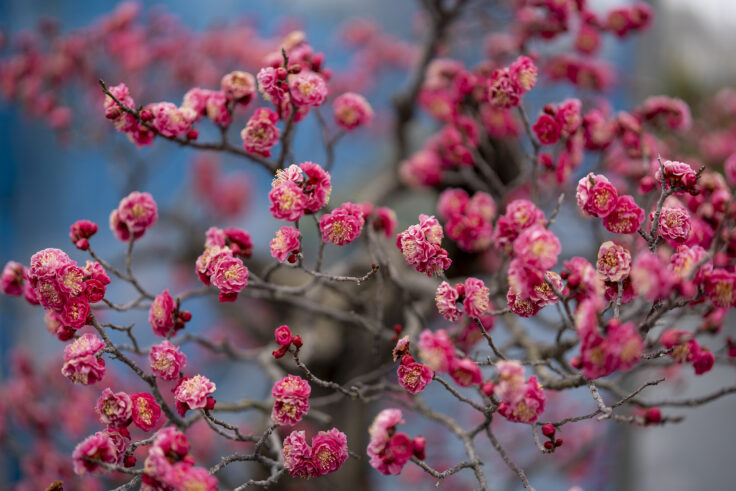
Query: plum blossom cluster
[(221, 263), (421, 246), (60, 286), (290, 400), (170, 465), (473, 295), (521, 400), (285, 338), (116, 410), (438, 352), (299, 189), (326, 454), (165, 317), (388, 449), (468, 220)]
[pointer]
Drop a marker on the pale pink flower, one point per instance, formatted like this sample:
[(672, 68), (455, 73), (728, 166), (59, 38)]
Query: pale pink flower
[(614, 262), (268, 84), (674, 223), (168, 120), (477, 298), (161, 314), (193, 392), (114, 409), (446, 299), (286, 241), (307, 89), (452, 201), (568, 116), (238, 86), (351, 110), (217, 110), (166, 360), (47, 262)]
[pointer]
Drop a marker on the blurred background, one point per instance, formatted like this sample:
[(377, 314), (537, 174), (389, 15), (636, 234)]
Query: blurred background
[(51, 177)]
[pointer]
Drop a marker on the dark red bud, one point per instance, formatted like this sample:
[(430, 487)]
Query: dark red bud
[(129, 461), (192, 134), (297, 340), (548, 430), (280, 352)]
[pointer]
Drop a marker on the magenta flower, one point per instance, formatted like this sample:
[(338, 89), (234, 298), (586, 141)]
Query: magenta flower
[(135, 214), (420, 245), (114, 409), (650, 277), (351, 110), (520, 215), (261, 133), (414, 377), (326, 455), (161, 314), (568, 116), (504, 92), (343, 225), (80, 232), (283, 335), (98, 446), (596, 196), (46, 263), (317, 185), (720, 287), (230, 276), (625, 218), (424, 168), (166, 360), (288, 201), (511, 384), (547, 129), (291, 400), (382, 458), (329, 451), (12, 278), (145, 411), (83, 361), (523, 72)]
